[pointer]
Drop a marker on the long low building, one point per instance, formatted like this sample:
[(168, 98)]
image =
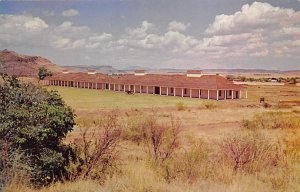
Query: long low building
[(193, 84)]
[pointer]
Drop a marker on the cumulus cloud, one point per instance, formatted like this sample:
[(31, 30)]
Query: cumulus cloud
[(48, 13), (177, 26), (255, 17), (70, 13), (141, 31), (257, 30), (270, 25)]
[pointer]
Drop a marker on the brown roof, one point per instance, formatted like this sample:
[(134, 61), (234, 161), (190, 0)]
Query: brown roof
[(80, 76), (139, 71), (180, 81), (193, 71)]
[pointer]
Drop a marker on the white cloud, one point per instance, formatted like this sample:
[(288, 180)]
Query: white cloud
[(22, 22), (70, 13), (177, 26), (257, 30), (141, 31), (257, 16), (48, 13), (267, 26), (35, 24)]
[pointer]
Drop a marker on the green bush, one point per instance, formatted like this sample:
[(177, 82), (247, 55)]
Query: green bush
[(35, 121)]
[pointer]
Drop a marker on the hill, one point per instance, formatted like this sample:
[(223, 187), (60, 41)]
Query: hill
[(25, 65)]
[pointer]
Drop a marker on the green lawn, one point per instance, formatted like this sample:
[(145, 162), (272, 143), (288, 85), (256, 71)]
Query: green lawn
[(89, 99)]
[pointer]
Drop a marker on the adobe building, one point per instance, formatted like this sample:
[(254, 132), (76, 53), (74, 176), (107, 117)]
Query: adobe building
[(193, 84)]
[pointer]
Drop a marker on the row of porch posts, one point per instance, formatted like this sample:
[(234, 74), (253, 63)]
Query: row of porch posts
[(117, 87)]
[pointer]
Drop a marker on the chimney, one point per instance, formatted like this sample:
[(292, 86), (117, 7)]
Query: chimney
[(91, 72), (65, 71), (193, 73), (139, 72)]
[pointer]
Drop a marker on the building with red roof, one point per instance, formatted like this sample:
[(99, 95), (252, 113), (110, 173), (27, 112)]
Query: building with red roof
[(193, 84)]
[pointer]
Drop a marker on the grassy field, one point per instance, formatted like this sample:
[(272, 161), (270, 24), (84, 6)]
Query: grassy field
[(195, 167), (88, 99), (197, 120)]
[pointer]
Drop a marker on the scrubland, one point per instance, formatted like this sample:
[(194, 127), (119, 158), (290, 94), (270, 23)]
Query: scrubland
[(155, 143)]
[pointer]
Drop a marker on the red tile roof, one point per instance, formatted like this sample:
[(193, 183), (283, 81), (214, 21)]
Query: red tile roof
[(193, 72), (179, 81), (139, 71)]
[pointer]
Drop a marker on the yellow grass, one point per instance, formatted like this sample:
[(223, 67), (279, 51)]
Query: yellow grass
[(197, 122)]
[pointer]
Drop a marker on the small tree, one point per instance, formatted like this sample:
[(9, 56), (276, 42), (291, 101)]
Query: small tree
[(97, 148), (160, 139), (34, 121), (43, 73)]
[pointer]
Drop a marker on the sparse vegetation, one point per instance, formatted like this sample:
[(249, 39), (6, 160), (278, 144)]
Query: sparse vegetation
[(209, 104), (180, 106), (160, 150)]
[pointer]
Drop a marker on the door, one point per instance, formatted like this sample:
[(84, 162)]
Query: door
[(157, 90)]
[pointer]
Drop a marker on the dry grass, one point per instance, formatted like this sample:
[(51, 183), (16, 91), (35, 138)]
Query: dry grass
[(196, 165)]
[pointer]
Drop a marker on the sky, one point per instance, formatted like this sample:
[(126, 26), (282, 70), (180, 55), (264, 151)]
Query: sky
[(185, 34)]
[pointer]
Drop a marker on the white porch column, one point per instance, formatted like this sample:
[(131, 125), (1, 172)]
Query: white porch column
[(181, 92), (240, 96), (217, 94), (114, 87), (190, 93), (109, 86), (208, 94), (147, 89), (167, 91), (199, 93), (231, 94), (246, 94), (124, 88), (225, 95), (140, 89), (134, 88), (159, 90), (174, 91), (77, 84)]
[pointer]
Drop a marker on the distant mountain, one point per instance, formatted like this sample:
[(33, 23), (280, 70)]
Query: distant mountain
[(293, 73), (107, 69), (24, 65)]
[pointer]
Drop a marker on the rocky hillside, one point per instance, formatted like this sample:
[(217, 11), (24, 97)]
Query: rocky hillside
[(24, 65)]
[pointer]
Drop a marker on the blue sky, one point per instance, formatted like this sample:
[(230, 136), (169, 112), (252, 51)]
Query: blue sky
[(157, 33)]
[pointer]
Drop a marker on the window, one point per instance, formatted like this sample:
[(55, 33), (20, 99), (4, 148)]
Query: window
[(172, 90), (230, 92), (131, 87), (220, 93), (185, 91)]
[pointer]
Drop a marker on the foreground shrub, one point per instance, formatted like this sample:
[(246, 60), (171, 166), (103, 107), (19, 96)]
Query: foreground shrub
[(209, 104), (273, 120), (188, 165), (159, 139), (180, 106), (34, 122), (249, 153), (97, 149)]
